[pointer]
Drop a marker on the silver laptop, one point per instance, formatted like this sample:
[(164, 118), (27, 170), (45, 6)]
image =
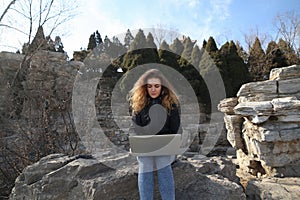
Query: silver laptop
[(155, 145)]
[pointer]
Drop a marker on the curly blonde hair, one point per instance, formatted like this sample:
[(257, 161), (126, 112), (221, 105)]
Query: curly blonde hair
[(138, 95)]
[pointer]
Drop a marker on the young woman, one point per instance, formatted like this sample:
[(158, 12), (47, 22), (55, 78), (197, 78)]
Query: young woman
[(152, 88)]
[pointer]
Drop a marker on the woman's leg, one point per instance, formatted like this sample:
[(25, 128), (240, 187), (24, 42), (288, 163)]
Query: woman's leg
[(145, 177), (165, 177)]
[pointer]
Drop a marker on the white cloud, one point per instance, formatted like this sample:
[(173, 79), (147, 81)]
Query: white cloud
[(220, 8), (92, 18), (194, 18), (193, 3)]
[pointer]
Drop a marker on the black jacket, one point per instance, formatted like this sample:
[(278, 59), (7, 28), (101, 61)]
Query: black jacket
[(154, 119)]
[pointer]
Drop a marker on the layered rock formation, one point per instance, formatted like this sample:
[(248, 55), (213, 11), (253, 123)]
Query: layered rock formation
[(263, 124)]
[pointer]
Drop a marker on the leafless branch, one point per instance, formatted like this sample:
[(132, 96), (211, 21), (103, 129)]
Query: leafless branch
[(7, 8)]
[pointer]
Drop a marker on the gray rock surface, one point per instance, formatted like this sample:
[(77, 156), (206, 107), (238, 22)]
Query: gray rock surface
[(61, 177), (274, 189)]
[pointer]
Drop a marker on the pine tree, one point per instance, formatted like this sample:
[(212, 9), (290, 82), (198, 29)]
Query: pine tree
[(274, 58), (128, 39), (196, 56), (288, 52), (166, 56), (92, 42), (257, 61), (107, 43), (242, 53), (204, 43), (164, 45), (233, 69), (139, 41), (211, 45), (150, 41), (98, 38), (188, 48), (120, 49), (211, 58), (177, 47), (139, 53)]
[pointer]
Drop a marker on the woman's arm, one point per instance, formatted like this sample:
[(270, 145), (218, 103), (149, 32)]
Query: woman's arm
[(175, 127)]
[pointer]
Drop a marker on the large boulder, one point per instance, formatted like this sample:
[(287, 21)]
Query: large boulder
[(83, 177)]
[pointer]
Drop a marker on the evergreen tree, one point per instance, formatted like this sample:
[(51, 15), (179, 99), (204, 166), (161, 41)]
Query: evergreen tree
[(120, 49), (113, 48), (139, 53), (188, 48), (274, 58), (196, 56), (213, 52), (207, 69), (288, 52), (233, 69), (209, 66), (128, 39), (139, 41), (165, 46), (98, 38), (150, 41), (208, 61), (257, 61), (92, 42), (241, 52), (166, 56), (204, 44), (107, 43), (177, 47), (211, 45)]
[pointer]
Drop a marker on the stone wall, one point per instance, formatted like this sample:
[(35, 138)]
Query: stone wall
[(9, 65), (263, 124), (41, 120), (46, 92)]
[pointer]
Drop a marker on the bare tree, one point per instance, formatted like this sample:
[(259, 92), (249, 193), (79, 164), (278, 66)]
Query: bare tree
[(6, 9), (288, 27), (22, 18), (161, 32), (252, 35)]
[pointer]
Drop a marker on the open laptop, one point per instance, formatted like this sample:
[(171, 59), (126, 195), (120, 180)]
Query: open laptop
[(155, 145)]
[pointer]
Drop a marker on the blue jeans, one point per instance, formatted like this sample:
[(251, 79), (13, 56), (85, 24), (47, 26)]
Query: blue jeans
[(147, 165)]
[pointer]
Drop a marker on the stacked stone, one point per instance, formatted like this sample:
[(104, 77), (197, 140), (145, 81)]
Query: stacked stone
[(48, 92), (269, 112), (9, 65)]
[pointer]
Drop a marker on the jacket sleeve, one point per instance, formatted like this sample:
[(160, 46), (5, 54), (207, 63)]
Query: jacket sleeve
[(175, 127), (136, 125)]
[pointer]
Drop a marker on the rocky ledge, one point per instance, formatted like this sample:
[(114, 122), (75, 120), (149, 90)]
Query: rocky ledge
[(83, 177)]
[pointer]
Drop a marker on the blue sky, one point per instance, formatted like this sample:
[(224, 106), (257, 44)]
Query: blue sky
[(199, 19)]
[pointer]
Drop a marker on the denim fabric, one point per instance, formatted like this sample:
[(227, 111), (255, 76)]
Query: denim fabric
[(147, 165)]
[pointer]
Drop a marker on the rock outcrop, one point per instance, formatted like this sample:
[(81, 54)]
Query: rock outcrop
[(83, 177), (263, 126)]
